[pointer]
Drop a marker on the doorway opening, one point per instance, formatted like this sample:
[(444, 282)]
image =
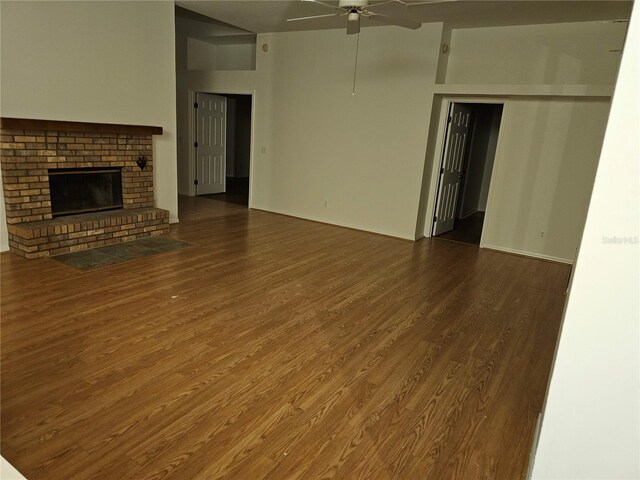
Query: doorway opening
[(466, 167), (223, 146)]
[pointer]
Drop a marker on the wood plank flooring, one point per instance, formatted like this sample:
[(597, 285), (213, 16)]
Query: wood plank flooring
[(276, 348)]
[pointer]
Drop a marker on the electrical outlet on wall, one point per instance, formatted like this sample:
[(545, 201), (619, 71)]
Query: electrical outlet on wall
[(542, 234)]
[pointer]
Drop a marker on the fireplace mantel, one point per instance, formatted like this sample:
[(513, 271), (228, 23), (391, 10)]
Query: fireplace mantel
[(64, 126)]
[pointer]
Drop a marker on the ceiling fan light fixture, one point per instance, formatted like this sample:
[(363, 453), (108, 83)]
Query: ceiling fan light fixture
[(353, 3), (353, 22)]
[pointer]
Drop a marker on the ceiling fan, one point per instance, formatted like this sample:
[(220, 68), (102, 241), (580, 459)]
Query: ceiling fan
[(355, 9)]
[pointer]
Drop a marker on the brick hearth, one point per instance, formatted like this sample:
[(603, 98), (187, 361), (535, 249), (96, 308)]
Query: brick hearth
[(29, 153)]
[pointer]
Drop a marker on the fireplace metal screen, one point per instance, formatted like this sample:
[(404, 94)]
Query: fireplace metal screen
[(82, 190)]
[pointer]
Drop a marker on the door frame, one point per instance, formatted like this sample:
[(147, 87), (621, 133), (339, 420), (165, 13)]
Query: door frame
[(446, 102), (191, 94)]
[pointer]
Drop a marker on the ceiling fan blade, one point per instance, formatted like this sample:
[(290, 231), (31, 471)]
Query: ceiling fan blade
[(426, 2), (326, 5), (386, 2), (313, 16), (401, 22), (353, 23)]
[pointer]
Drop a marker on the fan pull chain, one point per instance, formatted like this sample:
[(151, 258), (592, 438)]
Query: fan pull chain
[(355, 66)]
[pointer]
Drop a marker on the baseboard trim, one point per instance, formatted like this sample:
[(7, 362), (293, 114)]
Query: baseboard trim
[(523, 253), (341, 225)]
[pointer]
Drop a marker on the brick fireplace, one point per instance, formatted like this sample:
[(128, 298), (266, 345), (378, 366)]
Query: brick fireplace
[(37, 154)]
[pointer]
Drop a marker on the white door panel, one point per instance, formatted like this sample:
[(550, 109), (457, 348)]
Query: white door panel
[(452, 164), (211, 120)]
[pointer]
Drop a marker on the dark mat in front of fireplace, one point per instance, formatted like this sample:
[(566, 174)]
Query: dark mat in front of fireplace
[(118, 253)]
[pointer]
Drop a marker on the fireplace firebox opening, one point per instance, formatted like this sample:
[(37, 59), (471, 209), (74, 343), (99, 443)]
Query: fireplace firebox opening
[(83, 190)]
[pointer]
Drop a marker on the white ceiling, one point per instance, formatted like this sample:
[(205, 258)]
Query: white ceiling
[(269, 15)]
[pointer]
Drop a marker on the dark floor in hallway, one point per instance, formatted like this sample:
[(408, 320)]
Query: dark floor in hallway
[(466, 230), (237, 191)]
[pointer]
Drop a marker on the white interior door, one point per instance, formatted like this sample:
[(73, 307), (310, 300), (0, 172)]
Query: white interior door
[(211, 123), (451, 171)]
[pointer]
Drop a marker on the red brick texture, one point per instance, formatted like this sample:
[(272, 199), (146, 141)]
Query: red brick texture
[(26, 158), (72, 233)]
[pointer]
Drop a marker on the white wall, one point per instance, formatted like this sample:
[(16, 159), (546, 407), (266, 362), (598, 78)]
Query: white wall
[(106, 62), (591, 425), (204, 55), (200, 54), (236, 56), (8, 471), (362, 154), (561, 53), (543, 175)]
